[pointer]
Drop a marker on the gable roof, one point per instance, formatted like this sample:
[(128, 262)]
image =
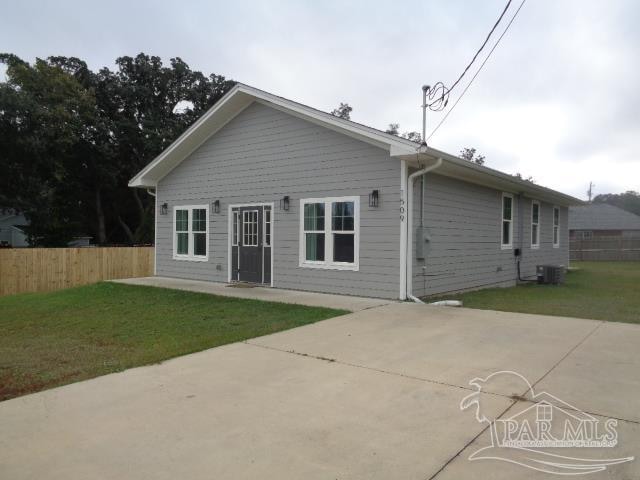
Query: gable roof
[(602, 216), (241, 96)]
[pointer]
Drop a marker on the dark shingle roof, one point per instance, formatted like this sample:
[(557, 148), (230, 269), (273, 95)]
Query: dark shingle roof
[(601, 216)]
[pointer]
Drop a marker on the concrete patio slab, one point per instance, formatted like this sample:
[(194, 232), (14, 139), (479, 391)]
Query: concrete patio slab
[(442, 344), (312, 299), (237, 412), (606, 362)]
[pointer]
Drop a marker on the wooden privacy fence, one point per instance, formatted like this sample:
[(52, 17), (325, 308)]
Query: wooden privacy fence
[(46, 269), (605, 249)]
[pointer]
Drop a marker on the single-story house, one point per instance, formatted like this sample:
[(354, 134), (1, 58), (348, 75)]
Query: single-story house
[(265, 190), (11, 229), (597, 220)]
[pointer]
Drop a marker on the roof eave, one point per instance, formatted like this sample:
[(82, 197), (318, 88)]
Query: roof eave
[(468, 171)]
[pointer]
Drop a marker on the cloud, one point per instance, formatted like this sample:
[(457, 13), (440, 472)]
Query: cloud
[(558, 99)]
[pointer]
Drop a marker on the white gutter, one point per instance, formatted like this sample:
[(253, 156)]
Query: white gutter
[(150, 192), (409, 236)]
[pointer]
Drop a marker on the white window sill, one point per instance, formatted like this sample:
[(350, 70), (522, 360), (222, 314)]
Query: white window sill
[(506, 247), (330, 266), (556, 246), (187, 258), (535, 247)]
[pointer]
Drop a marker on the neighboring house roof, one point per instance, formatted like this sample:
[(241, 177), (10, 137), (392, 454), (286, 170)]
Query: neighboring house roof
[(602, 216), (241, 96)]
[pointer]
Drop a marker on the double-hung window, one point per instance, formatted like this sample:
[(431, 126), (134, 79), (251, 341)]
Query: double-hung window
[(556, 227), (330, 233), (507, 221), (535, 224), (191, 232)]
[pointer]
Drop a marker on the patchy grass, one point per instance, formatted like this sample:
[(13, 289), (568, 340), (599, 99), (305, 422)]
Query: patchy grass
[(598, 290), (51, 339)]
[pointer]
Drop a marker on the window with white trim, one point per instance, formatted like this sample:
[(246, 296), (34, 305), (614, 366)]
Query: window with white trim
[(507, 221), (267, 227), (330, 233), (191, 232), (535, 224), (556, 227)]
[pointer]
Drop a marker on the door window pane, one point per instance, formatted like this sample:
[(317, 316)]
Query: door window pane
[(343, 247), (267, 227), (314, 247), (236, 226), (250, 228)]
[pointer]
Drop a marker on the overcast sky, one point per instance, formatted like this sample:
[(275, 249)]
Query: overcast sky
[(557, 100)]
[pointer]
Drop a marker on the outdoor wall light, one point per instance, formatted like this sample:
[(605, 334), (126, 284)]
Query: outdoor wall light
[(374, 197), (216, 206), (284, 203), (164, 209)]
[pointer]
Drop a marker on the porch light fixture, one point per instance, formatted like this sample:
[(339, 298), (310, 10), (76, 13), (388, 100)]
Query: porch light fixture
[(164, 209), (216, 206), (284, 203), (374, 198)]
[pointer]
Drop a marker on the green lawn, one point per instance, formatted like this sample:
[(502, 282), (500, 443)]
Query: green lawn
[(599, 290), (50, 339)]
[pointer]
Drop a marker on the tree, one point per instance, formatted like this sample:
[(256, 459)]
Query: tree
[(343, 111), (393, 129), (629, 200), (470, 155), (71, 138), (413, 136), (519, 176)]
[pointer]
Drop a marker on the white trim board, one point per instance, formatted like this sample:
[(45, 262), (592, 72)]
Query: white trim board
[(230, 235), (329, 264)]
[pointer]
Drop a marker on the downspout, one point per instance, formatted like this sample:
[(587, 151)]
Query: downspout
[(150, 192), (409, 236)]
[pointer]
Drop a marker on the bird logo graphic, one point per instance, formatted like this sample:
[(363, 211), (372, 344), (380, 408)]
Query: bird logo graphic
[(539, 429)]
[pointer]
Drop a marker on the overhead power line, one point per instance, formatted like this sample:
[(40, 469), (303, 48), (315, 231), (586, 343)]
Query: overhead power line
[(476, 74), (486, 40), (438, 94)]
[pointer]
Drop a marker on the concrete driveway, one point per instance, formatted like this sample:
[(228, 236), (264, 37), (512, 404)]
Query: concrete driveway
[(374, 394)]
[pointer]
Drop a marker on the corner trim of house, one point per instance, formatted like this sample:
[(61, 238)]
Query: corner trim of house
[(403, 230)]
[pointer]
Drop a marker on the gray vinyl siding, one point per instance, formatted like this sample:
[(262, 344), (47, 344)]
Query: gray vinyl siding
[(464, 221), (546, 254), (264, 154)]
